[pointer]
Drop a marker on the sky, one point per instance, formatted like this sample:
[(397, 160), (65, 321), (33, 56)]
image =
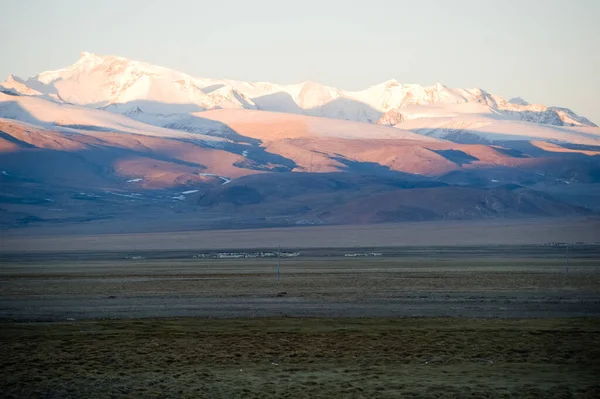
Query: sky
[(545, 51)]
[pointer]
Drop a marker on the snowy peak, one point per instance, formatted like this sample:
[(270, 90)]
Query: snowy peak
[(16, 85), (392, 95), (314, 95), (14, 79), (86, 56), (112, 64), (119, 85)]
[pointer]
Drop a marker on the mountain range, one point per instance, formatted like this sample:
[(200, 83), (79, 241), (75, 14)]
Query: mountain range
[(108, 140)]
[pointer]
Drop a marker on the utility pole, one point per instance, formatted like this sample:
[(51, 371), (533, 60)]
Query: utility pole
[(278, 262), (567, 260)]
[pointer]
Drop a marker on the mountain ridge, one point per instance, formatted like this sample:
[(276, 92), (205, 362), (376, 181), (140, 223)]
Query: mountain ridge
[(118, 82)]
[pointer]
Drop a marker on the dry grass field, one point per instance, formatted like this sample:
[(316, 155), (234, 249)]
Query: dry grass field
[(493, 281), (446, 322), (302, 358)]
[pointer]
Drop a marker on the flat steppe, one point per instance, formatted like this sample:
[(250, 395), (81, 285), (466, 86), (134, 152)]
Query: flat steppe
[(302, 358), (181, 235), (115, 316), (525, 281)]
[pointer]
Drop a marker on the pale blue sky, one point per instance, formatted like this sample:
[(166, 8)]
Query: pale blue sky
[(543, 50)]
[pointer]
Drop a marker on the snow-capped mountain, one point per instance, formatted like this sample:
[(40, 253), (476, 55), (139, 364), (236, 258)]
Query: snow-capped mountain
[(119, 128), (169, 99), (121, 85)]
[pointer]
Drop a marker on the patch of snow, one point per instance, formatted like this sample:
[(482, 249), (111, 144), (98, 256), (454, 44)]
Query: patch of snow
[(225, 179), (5, 173), (71, 118), (189, 192), (495, 181), (245, 153), (492, 128), (180, 197), (134, 180), (131, 195)]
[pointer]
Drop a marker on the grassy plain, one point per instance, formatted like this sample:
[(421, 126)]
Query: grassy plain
[(100, 324), (304, 358)]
